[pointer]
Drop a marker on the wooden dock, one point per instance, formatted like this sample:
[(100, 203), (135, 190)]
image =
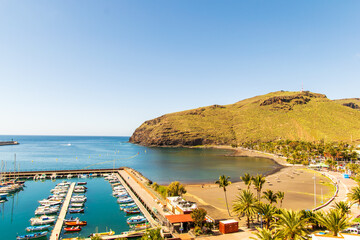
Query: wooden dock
[(55, 234)]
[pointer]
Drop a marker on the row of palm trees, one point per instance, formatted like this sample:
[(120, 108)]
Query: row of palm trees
[(282, 223), (288, 224), (302, 151)]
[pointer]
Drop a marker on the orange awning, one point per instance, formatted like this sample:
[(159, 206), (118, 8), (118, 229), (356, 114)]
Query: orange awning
[(179, 218)]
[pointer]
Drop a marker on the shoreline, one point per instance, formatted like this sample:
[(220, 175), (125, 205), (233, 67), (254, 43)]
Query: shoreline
[(236, 152), (244, 152)]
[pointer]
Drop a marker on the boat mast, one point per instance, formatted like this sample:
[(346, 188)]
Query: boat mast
[(14, 166), (1, 171), (5, 173)]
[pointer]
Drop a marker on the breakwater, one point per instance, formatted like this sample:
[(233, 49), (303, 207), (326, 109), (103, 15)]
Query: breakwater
[(4, 143)]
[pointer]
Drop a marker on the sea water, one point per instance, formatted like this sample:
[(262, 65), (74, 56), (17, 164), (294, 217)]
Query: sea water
[(162, 165)]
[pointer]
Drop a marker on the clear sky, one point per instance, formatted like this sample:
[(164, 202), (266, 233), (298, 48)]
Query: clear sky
[(104, 67)]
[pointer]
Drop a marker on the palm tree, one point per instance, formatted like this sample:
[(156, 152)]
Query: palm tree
[(334, 221), (246, 179), (265, 234), (311, 217), (290, 225), (258, 182), (343, 207), (223, 182), (267, 211), (270, 196), (245, 204), (280, 196), (354, 195)]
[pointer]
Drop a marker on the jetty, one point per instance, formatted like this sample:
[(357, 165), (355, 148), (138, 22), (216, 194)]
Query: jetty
[(60, 173), (55, 234), (4, 143)]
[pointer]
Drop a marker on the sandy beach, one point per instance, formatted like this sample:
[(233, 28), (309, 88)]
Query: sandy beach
[(296, 181)]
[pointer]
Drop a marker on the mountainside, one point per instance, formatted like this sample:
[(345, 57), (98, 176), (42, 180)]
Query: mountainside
[(278, 115), (350, 102)]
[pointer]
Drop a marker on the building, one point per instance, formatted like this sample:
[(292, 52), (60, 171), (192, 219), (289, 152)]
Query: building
[(178, 205)]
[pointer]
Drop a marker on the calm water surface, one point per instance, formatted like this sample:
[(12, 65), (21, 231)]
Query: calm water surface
[(162, 165)]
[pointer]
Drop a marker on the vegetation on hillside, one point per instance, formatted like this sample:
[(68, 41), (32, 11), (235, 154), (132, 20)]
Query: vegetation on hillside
[(304, 152), (279, 115)]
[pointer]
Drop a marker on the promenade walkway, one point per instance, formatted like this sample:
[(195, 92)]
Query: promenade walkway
[(345, 186), (138, 203), (55, 234), (147, 197)]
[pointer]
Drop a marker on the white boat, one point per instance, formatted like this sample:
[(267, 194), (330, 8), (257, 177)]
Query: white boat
[(122, 196), (44, 211), (42, 220), (64, 183), (79, 196), (58, 191), (78, 200), (125, 200), (136, 220), (79, 190), (49, 202), (77, 204), (48, 206), (119, 192)]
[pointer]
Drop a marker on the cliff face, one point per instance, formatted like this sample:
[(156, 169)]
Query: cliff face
[(286, 115)]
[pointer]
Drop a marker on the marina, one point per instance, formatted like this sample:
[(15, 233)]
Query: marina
[(101, 218)]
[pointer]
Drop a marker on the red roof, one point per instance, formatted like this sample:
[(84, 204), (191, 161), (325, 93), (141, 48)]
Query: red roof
[(179, 218)]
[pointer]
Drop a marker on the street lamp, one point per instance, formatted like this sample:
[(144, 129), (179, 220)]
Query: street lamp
[(261, 219)]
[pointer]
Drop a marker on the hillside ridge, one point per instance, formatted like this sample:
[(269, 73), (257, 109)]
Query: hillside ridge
[(278, 115)]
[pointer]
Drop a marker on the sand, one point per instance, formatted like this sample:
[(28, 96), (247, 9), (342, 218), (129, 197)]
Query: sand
[(296, 181)]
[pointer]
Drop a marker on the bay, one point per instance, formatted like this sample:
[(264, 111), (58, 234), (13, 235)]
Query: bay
[(162, 165)]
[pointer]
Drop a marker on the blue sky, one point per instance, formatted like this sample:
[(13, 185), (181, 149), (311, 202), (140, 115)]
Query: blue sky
[(103, 67)]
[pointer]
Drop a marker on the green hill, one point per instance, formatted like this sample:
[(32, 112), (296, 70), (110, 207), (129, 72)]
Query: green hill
[(278, 115), (350, 102)]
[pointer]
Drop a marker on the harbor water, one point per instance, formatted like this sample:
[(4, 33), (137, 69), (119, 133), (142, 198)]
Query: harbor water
[(102, 212)]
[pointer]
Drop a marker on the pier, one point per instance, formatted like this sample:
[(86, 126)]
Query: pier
[(59, 173), (55, 234)]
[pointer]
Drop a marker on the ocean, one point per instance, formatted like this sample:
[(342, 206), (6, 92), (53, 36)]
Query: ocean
[(162, 165)]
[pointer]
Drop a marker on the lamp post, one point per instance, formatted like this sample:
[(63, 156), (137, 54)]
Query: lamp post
[(261, 225), (314, 190)]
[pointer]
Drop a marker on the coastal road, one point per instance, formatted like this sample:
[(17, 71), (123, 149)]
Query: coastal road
[(345, 186)]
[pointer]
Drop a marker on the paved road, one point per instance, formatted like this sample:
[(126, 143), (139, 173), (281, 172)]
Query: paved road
[(345, 186)]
